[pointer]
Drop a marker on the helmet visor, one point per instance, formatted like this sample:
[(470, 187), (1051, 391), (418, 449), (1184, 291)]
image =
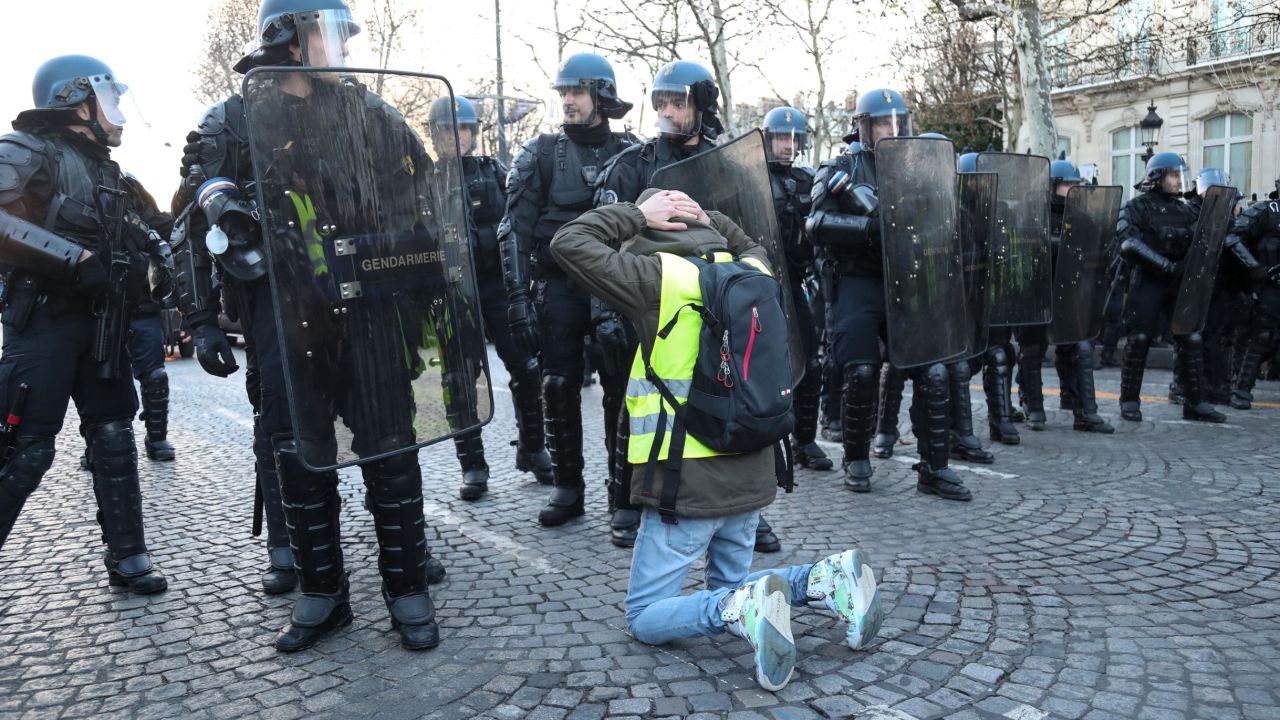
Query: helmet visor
[(576, 104), (1174, 180), (324, 37), (1208, 178), (893, 123), (677, 115), (784, 146), (109, 94)]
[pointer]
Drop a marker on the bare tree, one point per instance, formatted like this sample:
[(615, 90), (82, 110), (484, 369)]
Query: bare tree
[(231, 25), (811, 22)]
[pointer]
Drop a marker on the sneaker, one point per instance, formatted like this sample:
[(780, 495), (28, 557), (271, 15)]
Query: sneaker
[(759, 611), (846, 583)]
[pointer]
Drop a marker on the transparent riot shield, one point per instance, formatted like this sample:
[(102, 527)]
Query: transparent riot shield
[(1192, 308), (924, 284), (1080, 278), (370, 267), (977, 220), (1020, 270), (733, 179)]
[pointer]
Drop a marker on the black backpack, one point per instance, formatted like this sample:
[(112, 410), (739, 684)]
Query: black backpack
[(741, 394)]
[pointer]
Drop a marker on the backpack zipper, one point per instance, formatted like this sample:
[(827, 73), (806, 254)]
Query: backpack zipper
[(756, 329)]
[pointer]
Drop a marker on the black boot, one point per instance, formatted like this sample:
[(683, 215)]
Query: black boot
[(624, 517), (564, 435), (311, 506), (155, 414), (892, 383), (1086, 415), (115, 484), (1064, 362), (395, 489), (859, 420), (1031, 384), (280, 576), (1196, 406), (475, 471), (964, 444), (1131, 372), (932, 423), (531, 447), (1259, 347), (804, 435), (766, 540), (995, 382)]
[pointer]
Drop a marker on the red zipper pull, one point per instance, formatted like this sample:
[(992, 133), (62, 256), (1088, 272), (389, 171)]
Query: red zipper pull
[(755, 319)]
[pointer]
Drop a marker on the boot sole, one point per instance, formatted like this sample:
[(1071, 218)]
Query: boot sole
[(121, 581), (977, 459), (928, 489), (819, 464), (472, 492), (160, 457), (558, 521), (775, 656), (857, 565)]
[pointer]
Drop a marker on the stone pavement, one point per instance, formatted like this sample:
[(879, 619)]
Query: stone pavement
[(1130, 576)]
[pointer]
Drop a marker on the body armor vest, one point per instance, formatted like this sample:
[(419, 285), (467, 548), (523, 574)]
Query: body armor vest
[(861, 262), (1169, 223), (486, 203), (791, 203)]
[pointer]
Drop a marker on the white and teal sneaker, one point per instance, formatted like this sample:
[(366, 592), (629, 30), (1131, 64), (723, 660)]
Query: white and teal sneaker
[(846, 583), (759, 611)]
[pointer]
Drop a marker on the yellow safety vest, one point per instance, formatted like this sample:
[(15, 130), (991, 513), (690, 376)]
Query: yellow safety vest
[(673, 360)]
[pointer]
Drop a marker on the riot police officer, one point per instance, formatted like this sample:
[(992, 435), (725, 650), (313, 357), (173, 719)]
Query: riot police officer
[(683, 96), (75, 236), (786, 134), (146, 354), (845, 228), (996, 362), (552, 181), (1074, 361), (1155, 231), (302, 506), (486, 183), (964, 444), (1258, 229)]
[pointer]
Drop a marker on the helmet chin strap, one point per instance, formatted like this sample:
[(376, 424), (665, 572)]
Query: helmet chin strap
[(99, 134)]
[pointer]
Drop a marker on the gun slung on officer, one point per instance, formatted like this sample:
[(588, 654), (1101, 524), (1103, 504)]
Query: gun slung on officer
[(111, 311)]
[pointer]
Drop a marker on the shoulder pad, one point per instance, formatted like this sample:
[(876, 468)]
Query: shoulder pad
[(373, 101), (527, 156), (21, 156), (804, 172), (225, 116), (628, 137)]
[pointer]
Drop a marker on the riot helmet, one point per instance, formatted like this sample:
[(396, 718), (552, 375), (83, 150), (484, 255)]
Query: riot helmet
[(786, 134), (684, 96), (440, 125), (1064, 175), (588, 75), (1166, 173), (967, 163), (881, 113), (1209, 177), (933, 136), (320, 29), (63, 83)]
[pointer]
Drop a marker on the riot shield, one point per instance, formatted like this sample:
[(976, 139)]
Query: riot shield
[(977, 220), (1080, 279), (1020, 270), (1192, 308), (733, 179), (370, 267), (924, 284)]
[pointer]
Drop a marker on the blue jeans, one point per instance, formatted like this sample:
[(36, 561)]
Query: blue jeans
[(656, 611)]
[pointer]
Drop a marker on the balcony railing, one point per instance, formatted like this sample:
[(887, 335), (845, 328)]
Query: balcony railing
[(1153, 57)]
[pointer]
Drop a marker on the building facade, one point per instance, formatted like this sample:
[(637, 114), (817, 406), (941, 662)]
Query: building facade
[(1212, 72)]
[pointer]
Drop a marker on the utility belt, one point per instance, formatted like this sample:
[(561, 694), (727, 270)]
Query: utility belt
[(22, 293)]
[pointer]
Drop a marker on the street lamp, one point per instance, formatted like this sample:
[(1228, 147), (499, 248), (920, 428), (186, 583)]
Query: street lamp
[(1150, 129)]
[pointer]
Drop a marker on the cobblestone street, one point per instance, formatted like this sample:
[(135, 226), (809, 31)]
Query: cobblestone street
[(1135, 575)]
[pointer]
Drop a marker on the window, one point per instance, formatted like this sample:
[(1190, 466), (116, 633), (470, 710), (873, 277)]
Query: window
[(1063, 149), (1228, 145), (1127, 165)]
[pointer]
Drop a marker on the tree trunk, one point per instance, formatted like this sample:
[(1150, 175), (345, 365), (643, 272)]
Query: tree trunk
[(1034, 130), (720, 61)]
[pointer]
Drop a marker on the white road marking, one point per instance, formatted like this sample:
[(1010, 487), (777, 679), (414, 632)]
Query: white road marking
[(503, 544)]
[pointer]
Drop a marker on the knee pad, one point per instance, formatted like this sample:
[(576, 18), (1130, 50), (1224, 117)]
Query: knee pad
[(1265, 337), (31, 460), (558, 388), (526, 374), (157, 375), (1140, 340), (936, 377), (959, 372), (1194, 341), (998, 357), (860, 373), (111, 448), (398, 477)]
